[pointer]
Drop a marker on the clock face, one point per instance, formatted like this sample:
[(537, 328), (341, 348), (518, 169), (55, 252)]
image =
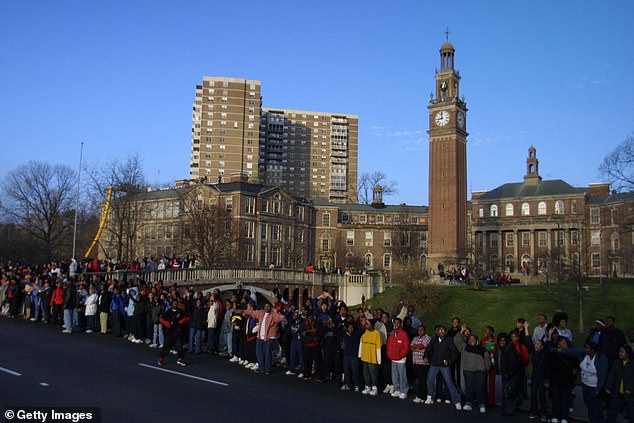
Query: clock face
[(442, 118), (443, 86), (460, 120)]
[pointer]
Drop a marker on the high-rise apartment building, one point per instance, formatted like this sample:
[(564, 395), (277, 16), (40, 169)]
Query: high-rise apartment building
[(225, 129), (312, 154)]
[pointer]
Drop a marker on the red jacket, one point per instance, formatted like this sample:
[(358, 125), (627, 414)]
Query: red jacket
[(58, 297), (397, 345), (522, 352)]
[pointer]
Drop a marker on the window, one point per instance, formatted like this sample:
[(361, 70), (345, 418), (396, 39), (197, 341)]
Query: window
[(380, 219), (397, 220), (250, 206), (250, 230), (526, 239), (369, 238), (349, 238), (414, 220), (275, 232), (325, 219), (615, 242), (325, 244), (596, 260), (542, 238), (494, 240), (363, 218), (559, 207), (229, 204), (573, 207), (387, 239), (613, 216), (510, 239), (250, 253), (541, 208), (594, 216), (423, 239), (481, 212), (480, 239), (574, 238), (526, 209), (493, 211), (387, 260), (263, 230), (560, 235), (509, 210), (595, 237), (368, 260)]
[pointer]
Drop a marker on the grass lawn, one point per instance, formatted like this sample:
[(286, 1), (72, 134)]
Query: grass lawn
[(501, 306)]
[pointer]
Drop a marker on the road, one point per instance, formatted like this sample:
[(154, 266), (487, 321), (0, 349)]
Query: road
[(40, 366)]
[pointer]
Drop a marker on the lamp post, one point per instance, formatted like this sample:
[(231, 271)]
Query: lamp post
[(81, 153)]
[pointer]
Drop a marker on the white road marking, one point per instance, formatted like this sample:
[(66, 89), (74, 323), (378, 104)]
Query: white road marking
[(11, 372), (184, 374)]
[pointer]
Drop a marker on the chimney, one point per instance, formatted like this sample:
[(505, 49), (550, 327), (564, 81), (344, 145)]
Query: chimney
[(599, 189)]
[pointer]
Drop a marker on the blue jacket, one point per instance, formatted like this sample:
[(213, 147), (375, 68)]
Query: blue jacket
[(600, 362)]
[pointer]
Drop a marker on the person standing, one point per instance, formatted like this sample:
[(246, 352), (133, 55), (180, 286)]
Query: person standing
[(351, 365), (70, 302), (103, 305), (420, 363), (213, 326), (370, 355), (513, 358), (442, 354), (476, 364), (269, 323), (620, 385), (90, 310), (197, 325), (397, 349), (174, 320)]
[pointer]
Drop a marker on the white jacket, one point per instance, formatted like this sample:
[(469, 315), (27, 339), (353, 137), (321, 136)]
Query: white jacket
[(91, 305), (212, 315)]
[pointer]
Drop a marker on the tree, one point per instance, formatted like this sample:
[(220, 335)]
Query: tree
[(210, 232), (126, 214), (39, 200), (618, 166), (369, 180)]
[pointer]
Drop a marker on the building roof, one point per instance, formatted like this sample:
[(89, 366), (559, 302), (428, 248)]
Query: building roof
[(161, 194), (368, 208), (612, 198), (555, 187)]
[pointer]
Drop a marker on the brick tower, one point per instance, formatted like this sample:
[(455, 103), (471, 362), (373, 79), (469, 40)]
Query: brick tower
[(447, 167)]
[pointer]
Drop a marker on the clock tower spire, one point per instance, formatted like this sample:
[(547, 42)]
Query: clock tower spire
[(447, 166)]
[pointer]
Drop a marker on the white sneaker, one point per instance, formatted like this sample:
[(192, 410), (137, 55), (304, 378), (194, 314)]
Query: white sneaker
[(554, 420), (301, 375), (387, 389), (345, 388), (160, 346), (459, 407), (88, 330), (255, 366), (402, 396), (174, 352), (395, 394), (289, 373), (417, 400), (564, 421), (467, 407), (447, 402), (374, 391), (429, 401), (391, 389), (366, 391), (241, 361), (153, 345), (66, 331), (438, 400), (483, 409), (356, 389), (249, 365)]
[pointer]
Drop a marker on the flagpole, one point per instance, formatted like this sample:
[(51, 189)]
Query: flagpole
[(81, 153)]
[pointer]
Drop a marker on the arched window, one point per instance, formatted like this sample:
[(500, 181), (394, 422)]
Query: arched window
[(541, 207), (494, 211), (509, 210), (559, 207), (526, 209), (368, 260), (387, 260)]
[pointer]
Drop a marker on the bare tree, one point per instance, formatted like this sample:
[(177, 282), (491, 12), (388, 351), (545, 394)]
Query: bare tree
[(618, 166), (369, 180), (126, 213), (210, 232), (39, 200)]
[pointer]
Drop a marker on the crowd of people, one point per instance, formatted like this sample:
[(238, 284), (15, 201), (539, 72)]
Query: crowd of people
[(361, 350)]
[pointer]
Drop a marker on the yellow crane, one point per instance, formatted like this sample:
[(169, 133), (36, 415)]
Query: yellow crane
[(102, 223)]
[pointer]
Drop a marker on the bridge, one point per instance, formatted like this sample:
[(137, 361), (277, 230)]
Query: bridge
[(291, 284)]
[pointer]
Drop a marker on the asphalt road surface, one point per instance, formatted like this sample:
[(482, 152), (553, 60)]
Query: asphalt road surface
[(41, 367)]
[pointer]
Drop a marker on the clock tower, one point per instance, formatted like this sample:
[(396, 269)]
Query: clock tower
[(447, 167)]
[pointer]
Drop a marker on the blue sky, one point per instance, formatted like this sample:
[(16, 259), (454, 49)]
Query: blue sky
[(121, 75)]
